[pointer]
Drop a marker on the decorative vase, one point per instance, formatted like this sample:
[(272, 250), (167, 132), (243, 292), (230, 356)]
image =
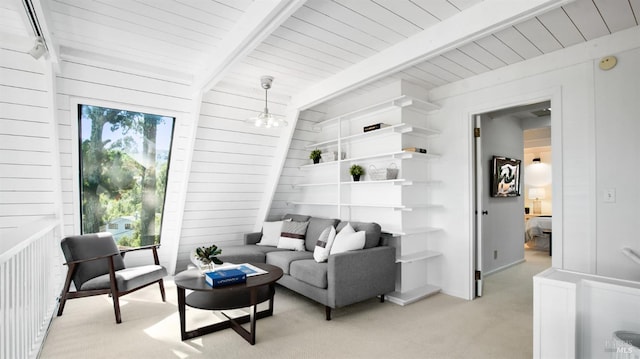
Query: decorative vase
[(356, 178), (202, 266), (207, 267), (316, 160)]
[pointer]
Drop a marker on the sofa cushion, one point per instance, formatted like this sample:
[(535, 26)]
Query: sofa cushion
[(293, 235), (283, 259), (246, 253), (310, 272), (316, 226), (372, 232)]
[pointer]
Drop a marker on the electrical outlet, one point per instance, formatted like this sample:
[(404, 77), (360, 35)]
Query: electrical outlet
[(610, 195), (495, 254)]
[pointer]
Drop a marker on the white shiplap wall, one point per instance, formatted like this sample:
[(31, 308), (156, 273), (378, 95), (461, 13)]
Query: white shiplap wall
[(297, 156), (84, 82), (231, 163), (28, 177)]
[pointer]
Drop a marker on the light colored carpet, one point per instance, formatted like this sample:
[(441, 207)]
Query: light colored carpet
[(498, 325)]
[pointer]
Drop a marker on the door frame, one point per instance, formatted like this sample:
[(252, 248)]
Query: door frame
[(554, 95)]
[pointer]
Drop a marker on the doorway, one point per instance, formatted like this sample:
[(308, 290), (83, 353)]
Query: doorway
[(516, 135)]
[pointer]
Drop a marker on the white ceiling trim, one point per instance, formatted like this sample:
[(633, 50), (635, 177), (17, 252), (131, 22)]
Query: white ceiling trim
[(485, 18), (256, 24)]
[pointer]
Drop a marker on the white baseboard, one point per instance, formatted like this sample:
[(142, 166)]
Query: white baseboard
[(504, 267)]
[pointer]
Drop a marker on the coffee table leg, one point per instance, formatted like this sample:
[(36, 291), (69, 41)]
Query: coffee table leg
[(248, 335), (233, 323), (254, 300), (182, 312), (272, 292)]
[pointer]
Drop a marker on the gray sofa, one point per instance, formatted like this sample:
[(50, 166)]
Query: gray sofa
[(346, 278)]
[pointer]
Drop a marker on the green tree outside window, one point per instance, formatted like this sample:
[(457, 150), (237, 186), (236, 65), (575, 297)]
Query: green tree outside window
[(124, 159)]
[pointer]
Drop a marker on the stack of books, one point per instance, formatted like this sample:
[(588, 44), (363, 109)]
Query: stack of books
[(375, 126), (415, 149)]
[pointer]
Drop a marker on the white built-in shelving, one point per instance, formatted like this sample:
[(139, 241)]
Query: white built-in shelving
[(397, 102), (400, 205)]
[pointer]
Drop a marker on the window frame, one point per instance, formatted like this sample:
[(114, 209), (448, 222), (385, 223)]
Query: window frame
[(75, 103)]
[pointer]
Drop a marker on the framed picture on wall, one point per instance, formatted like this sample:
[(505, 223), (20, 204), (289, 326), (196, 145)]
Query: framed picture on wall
[(505, 181)]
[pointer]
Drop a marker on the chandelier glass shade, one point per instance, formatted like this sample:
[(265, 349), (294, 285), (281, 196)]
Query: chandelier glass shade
[(265, 118)]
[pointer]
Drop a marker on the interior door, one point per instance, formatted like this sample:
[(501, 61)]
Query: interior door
[(479, 210)]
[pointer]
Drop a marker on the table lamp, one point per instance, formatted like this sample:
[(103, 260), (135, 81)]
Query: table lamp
[(537, 194)]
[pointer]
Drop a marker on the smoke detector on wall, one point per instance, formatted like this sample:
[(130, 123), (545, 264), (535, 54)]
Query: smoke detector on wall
[(607, 63)]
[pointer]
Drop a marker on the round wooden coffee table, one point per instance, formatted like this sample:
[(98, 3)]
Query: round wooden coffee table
[(257, 289)]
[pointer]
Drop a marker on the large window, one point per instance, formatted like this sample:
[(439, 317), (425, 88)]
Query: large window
[(124, 160)]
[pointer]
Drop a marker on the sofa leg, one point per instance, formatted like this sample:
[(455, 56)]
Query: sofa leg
[(381, 298), (327, 312)]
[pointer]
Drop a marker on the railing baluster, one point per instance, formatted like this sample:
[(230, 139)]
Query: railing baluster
[(30, 281)]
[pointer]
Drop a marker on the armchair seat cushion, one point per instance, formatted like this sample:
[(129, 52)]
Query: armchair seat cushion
[(284, 259), (310, 272), (128, 278)]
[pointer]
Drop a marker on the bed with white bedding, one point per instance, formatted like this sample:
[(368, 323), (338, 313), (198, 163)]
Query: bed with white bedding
[(534, 237)]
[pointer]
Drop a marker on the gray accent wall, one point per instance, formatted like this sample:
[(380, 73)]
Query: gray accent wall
[(503, 226)]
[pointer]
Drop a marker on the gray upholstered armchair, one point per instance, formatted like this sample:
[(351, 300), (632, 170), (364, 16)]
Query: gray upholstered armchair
[(96, 266)]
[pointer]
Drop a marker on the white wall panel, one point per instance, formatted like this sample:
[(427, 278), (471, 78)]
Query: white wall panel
[(297, 156), (617, 126), (27, 188)]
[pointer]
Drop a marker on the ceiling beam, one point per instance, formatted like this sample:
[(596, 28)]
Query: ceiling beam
[(258, 22), (487, 17)]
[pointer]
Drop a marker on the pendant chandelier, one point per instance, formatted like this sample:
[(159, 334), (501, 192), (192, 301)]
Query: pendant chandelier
[(265, 118)]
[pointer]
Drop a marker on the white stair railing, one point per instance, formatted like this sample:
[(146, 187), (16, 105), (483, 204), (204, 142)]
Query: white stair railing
[(31, 275)]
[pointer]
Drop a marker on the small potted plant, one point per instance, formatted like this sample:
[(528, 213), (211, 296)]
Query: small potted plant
[(315, 155), (207, 257), (356, 171)]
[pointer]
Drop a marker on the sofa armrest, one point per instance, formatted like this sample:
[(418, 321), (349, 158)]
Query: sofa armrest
[(358, 275), (252, 238)]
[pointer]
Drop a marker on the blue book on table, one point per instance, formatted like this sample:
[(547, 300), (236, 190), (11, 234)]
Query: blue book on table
[(223, 277)]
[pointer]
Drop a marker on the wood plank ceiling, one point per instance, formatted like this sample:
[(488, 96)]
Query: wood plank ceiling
[(321, 39)]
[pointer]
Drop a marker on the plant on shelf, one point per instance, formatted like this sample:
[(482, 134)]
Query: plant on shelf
[(315, 155), (356, 171)]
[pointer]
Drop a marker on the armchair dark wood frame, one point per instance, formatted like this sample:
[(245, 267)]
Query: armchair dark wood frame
[(113, 290)]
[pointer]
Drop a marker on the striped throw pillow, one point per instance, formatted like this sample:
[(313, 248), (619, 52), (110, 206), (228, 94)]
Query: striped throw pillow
[(323, 245), (292, 236)]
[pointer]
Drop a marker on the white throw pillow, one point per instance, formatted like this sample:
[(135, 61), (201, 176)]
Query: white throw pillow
[(271, 233), (348, 240), (323, 245)]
